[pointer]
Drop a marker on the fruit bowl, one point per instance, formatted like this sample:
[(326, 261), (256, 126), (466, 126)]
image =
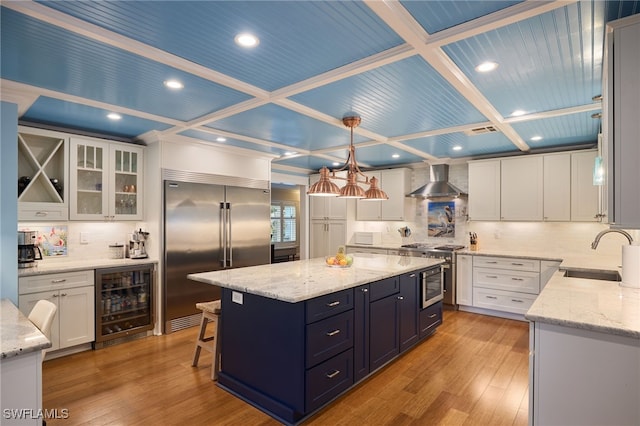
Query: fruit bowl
[(334, 262)]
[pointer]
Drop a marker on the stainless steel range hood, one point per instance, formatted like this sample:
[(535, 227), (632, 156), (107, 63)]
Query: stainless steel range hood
[(439, 187)]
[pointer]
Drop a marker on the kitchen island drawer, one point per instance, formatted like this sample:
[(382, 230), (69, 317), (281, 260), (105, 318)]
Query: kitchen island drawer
[(512, 263), (327, 380), (507, 301), (527, 282), (383, 288), (329, 337), (47, 282), (430, 319), (325, 306)]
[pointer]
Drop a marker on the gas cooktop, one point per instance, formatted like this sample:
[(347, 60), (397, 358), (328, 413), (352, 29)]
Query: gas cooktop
[(430, 246)]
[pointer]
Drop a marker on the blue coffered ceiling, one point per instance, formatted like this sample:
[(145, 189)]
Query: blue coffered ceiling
[(406, 67)]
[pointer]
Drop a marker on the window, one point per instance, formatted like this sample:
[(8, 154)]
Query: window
[(284, 221)]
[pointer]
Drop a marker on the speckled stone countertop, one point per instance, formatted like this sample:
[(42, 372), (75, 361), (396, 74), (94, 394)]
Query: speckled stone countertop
[(18, 335), (594, 305), (305, 279), (65, 265)]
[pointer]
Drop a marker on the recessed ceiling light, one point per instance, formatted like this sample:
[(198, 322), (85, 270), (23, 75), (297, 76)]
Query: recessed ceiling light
[(173, 84), (246, 40), (518, 113), (335, 163), (290, 153), (536, 138), (487, 66), (114, 116), (221, 139), (457, 148), (395, 156)]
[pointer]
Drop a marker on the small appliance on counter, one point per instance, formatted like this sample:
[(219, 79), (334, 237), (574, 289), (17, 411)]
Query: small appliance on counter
[(136, 248), (28, 251)]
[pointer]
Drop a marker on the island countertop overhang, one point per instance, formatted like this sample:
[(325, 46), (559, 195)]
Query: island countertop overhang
[(302, 280)]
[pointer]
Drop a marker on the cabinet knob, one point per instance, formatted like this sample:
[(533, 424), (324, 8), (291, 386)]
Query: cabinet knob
[(55, 295), (63, 294), (400, 298), (365, 290)]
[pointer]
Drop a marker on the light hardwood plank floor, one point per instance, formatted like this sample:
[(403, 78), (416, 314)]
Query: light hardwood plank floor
[(472, 371)]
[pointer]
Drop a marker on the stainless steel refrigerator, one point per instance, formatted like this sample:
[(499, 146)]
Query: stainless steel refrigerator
[(207, 228)]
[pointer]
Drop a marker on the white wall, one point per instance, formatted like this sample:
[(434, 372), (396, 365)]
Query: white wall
[(8, 201)]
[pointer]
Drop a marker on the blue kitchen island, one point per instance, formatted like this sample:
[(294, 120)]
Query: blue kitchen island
[(296, 335)]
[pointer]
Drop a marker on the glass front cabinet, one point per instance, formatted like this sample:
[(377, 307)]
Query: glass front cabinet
[(124, 301), (106, 180)]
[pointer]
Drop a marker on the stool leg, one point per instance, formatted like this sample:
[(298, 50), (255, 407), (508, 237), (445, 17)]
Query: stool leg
[(203, 329), (215, 367)]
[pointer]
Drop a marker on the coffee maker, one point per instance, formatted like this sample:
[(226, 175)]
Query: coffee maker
[(136, 248), (28, 251)]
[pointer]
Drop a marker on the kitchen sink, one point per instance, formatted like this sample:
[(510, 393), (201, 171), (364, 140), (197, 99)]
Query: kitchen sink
[(593, 275)]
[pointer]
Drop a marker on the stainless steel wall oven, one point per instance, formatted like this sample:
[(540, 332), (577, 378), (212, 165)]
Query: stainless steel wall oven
[(432, 281)]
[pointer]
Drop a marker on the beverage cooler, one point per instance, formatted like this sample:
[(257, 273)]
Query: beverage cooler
[(124, 301)]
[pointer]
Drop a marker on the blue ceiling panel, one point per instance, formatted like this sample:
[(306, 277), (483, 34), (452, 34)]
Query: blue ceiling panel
[(560, 131), (323, 35), (382, 156), (309, 162), (547, 62), (196, 134), (477, 145), (621, 9), (81, 117), (276, 124), (436, 16), (400, 98), (66, 62)]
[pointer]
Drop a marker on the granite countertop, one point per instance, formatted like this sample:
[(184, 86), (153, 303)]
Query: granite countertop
[(65, 265), (18, 335), (594, 305), (305, 279), (383, 246)]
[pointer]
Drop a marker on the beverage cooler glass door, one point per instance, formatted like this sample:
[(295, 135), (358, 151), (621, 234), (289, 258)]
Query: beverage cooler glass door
[(124, 301), (432, 286)]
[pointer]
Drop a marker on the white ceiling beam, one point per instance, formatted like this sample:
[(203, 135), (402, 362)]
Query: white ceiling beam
[(437, 132), (555, 113)]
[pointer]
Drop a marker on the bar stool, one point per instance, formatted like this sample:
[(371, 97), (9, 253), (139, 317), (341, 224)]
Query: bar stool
[(210, 313)]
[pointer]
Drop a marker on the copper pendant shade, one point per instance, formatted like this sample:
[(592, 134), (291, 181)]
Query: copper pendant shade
[(324, 187)]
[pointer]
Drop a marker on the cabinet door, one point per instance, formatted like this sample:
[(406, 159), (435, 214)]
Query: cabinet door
[(408, 310), (464, 279), (584, 194), (484, 190), (557, 187), (76, 316), (327, 207), (125, 182), (26, 302), (88, 179), (384, 328), (396, 183), (521, 189), (361, 332), (318, 242), (370, 210), (337, 231)]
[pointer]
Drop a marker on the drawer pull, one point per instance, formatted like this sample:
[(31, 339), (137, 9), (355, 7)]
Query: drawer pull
[(41, 214), (517, 300), (61, 280), (63, 294), (492, 261), (433, 315), (332, 304), (517, 279), (333, 374), (55, 295), (492, 297), (333, 333), (412, 276), (517, 264), (492, 276)]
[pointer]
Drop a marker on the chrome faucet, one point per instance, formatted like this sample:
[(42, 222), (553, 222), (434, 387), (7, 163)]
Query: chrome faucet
[(595, 242)]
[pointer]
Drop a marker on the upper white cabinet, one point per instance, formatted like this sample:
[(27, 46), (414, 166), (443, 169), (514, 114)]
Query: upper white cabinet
[(396, 183), (584, 195), (484, 190), (557, 187), (621, 123), (43, 176), (327, 207), (106, 180), (521, 188)]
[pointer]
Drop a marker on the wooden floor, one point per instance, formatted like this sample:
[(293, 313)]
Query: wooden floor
[(472, 371)]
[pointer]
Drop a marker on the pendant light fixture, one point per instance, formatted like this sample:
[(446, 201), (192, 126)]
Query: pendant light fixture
[(324, 187)]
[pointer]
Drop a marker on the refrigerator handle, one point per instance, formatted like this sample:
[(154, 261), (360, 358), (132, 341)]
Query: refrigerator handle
[(223, 234), (230, 240)]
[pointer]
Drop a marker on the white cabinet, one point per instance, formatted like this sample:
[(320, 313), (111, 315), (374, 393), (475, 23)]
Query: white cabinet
[(106, 180), (547, 269), (73, 294), (521, 188), (353, 250), (396, 183), (557, 187), (327, 207), (622, 109), (484, 190), (326, 236), (43, 174), (464, 279), (584, 195)]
